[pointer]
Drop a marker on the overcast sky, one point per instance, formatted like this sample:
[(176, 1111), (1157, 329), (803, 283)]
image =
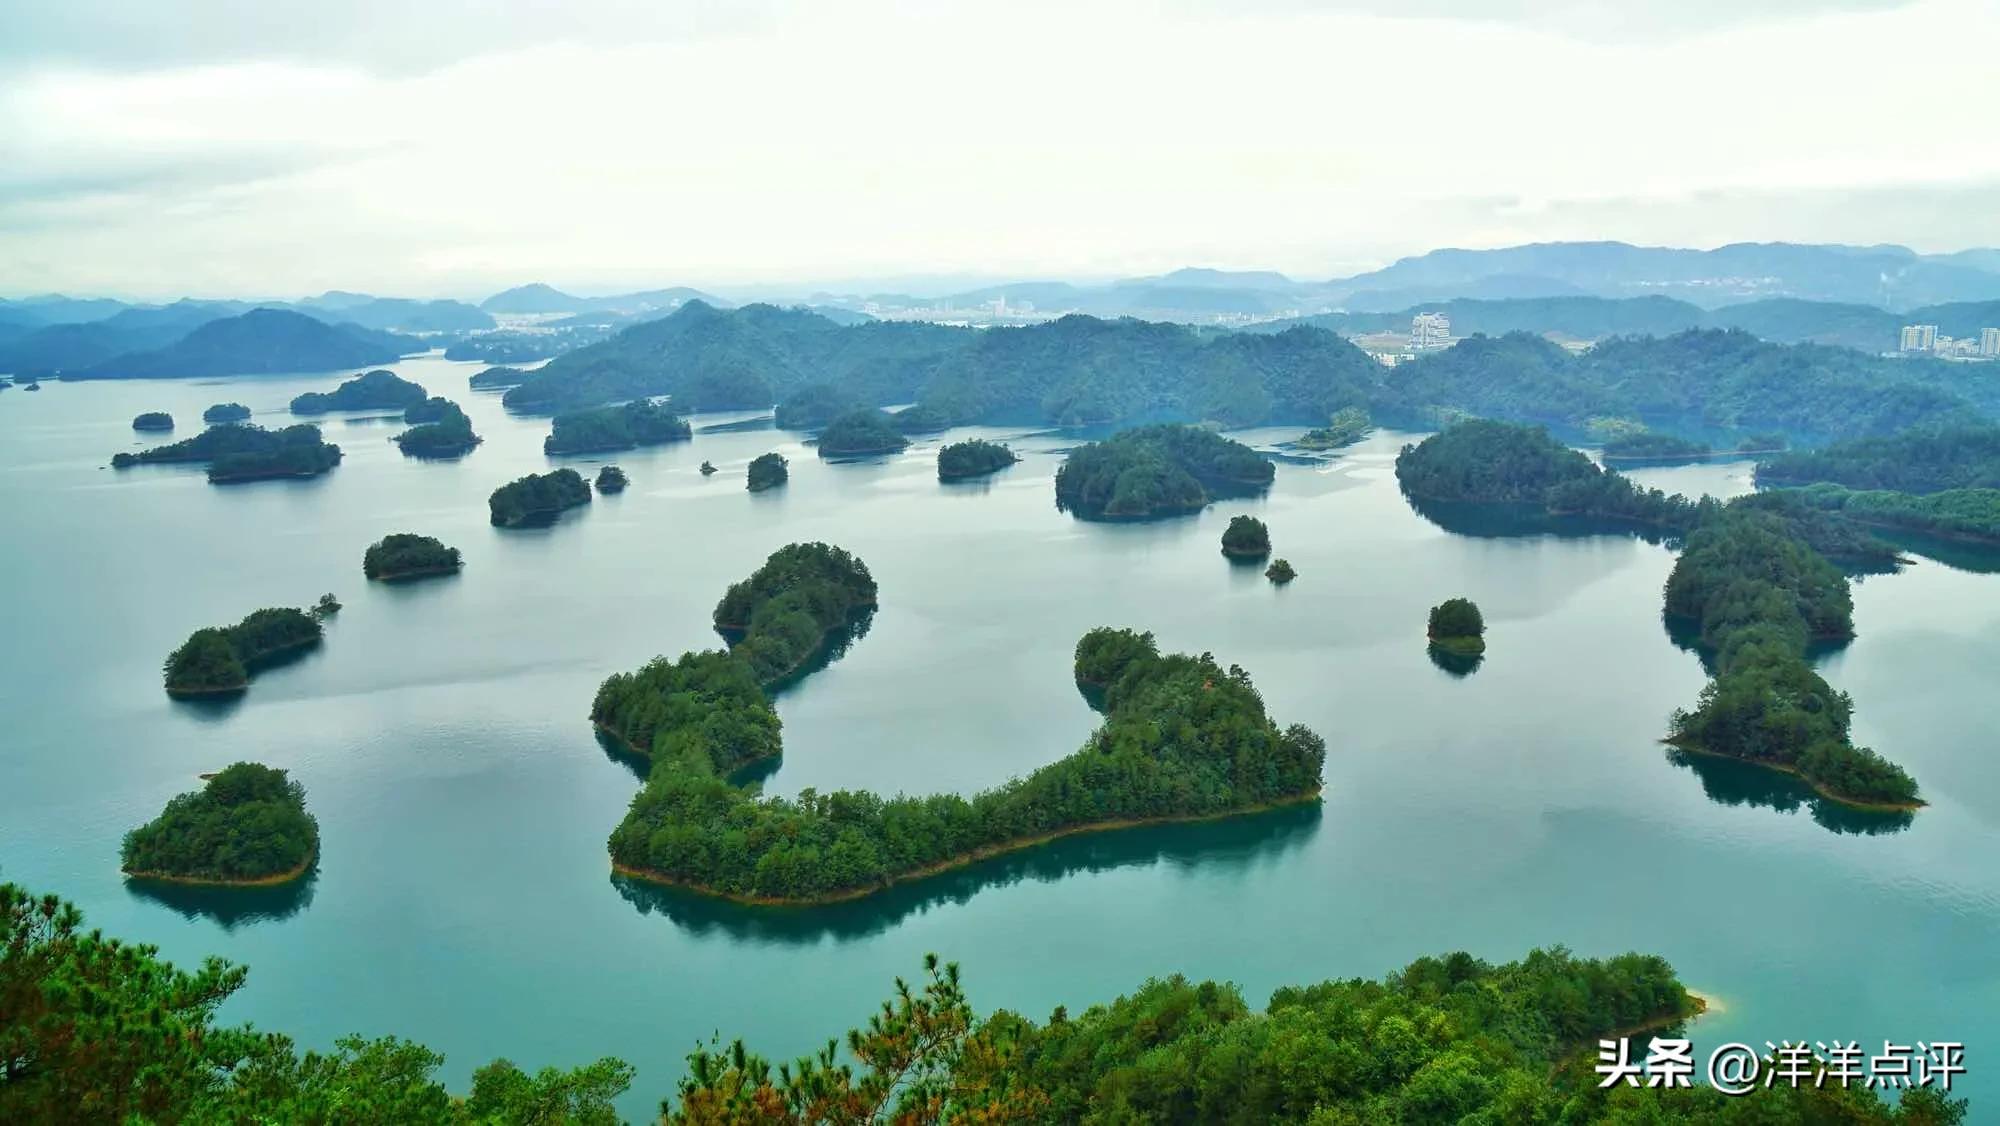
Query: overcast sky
[(402, 147)]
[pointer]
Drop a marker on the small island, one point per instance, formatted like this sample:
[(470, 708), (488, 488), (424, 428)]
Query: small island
[(1154, 471), (1280, 572), (861, 433), (1456, 627), (406, 555), (923, 418), (1348, 426), (438, 429), (243, 452), (803, 595), (537, 498), (380, 389), (219, 660), (497, 379), (1647, 448), (975, 457), (1758, 595), (246, 826), (1246, 538), (1507, 464), (641, 422), (813, 406), (610, 480), (226, 412), (767, 471), (153, 420), (708, 469)]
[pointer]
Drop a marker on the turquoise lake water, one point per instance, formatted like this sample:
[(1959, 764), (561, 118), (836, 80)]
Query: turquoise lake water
[(464, 898)]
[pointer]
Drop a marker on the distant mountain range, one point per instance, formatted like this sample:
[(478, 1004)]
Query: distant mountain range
[(1783, 320), (1890, 277), (537, 298), (1857, 296), (259, 342)]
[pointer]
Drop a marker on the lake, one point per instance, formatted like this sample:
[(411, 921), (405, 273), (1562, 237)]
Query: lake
[(464, 899)]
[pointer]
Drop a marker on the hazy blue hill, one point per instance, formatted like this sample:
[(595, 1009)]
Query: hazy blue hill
[(1488, 287), (747, 358), (540, 298), (1959, 318), (55, 309), (1888, 276), (1586, 318), (1189, 277), (259, 342), (399, 314), (68, 347), (1792, 321)]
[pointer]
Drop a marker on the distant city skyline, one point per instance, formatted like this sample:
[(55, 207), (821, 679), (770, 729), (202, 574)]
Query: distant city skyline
[(610, 145)]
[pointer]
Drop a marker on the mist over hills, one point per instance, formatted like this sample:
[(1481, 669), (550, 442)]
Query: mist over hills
[(1853, 296)]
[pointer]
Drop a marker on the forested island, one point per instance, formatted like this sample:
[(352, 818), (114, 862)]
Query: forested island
[(861, 432), (781, 615), (494, 378), (1918, 460), (153, 420), (1348, 426), (1754, 583), (220, 660), (407, 555), (244, 452), (1457, 627), (1246, 538), (537, 498), (1162, 470), (1649, 448), (767, 471), (226, 412), (641, 422), (1968, 515), (1758, 596), (1445, 1039), (438, 429), (974, 457), (1079, 370), (247, 825), (813, 406), (1183, 739), (380, 389), (611, 479), (1281, 571)]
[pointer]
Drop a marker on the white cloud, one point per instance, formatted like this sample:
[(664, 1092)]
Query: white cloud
[(1033, 138)]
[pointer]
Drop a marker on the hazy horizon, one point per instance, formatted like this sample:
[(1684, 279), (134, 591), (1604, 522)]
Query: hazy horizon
[(612, 146)]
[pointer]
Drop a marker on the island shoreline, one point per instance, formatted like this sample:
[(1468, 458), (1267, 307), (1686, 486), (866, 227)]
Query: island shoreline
[(985, 852)]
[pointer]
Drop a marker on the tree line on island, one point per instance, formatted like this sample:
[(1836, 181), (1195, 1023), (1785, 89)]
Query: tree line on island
[(235, 452), (407, 555), (101, 1030), (221, 659), (1079, 370), (247, 825), (1159, 470), (974, 457), (438, 428), (1753, 580), (537, 498), (1182, 738), (641, 422)]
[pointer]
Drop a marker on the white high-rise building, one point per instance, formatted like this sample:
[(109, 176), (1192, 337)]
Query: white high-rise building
[(1919, 338), (1989, 341), (1429, 330)]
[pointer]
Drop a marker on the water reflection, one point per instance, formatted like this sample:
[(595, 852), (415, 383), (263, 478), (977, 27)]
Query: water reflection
[(1215, 847), (1504, 521), (1729, 781), (230, 907), (1457, 664)]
